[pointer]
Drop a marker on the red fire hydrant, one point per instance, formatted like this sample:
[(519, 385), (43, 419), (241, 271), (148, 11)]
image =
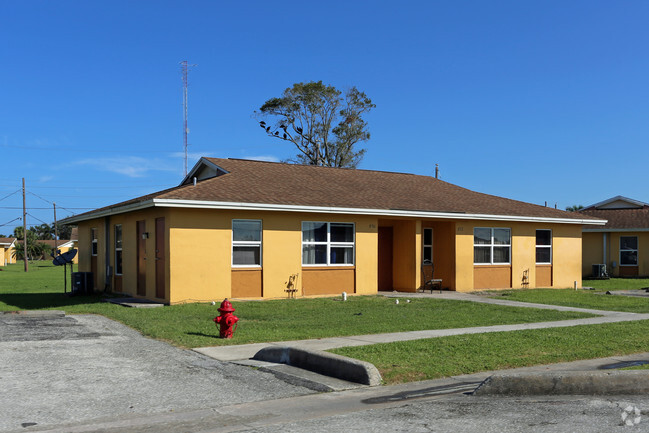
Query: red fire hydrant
[(226, 320)]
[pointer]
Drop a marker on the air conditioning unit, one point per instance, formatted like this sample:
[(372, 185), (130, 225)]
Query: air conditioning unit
[(599, 271)]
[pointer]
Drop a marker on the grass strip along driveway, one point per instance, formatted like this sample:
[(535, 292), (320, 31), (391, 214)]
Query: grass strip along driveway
[(191, 325), (464, 354), (592, 299)]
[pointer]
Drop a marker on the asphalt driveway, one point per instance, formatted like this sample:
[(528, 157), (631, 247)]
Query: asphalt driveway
[(57, 371)]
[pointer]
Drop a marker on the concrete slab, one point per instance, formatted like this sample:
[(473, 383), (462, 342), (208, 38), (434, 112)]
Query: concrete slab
[(232, 353), (134, 302), (641, 293)]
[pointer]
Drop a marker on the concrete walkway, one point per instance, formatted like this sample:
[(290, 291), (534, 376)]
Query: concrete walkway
[(247, 351)]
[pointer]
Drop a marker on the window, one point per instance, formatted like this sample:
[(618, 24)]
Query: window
[(491, 246), (628, 251), (246, 243), (428, 245), (327, 244), (544, 247), (93, 247), (118, 249)]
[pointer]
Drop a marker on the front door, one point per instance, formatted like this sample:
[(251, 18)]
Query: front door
[(141, 258), (160, 258), (385, 259)]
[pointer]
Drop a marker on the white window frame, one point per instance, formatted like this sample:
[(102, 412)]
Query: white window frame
[(544, 246), (425, 245), (492, 245), (637, 244), (119, 248), (254, 244), (329, 244), (93, 243)]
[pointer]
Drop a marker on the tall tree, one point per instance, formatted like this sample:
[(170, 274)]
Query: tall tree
[(321, 121), (65, 230), (574, 208), (35, 249), (43, 231)]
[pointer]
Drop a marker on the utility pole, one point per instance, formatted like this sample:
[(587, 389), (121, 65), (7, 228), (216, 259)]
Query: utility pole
[(185, 70), (56, 232), (25, 228)]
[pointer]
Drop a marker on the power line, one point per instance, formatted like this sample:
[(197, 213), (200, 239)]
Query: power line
[(97, 187), (7, 196), (9, 222), (84, 150), (41, 208), (37, 219), (36, 195)]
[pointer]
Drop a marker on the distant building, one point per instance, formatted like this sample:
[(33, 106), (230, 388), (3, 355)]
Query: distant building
[(622, 244), (7, 246)]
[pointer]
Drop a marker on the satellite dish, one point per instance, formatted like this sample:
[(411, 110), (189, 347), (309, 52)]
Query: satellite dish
[(65, 258)]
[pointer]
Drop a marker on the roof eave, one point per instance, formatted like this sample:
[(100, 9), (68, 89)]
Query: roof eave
[(200, 204), (638, 203), (364, 211), (108, 212), (613, 229)]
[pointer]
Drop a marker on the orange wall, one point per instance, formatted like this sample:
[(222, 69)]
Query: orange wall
[(324, 281)]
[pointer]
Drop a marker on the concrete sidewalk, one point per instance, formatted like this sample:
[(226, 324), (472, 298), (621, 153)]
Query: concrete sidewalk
[(247, 351)]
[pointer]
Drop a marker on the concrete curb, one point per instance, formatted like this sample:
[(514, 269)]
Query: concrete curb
[(324, 363), (567, 383)]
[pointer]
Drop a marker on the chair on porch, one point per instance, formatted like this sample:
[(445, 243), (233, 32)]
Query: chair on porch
[(428, 279)]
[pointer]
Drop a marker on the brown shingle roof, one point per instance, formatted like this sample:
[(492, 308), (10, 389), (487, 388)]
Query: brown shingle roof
[(302, 185), (621, 218), (7, 240)]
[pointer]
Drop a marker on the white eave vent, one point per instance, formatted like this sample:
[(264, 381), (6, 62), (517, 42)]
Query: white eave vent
[(203, 169)]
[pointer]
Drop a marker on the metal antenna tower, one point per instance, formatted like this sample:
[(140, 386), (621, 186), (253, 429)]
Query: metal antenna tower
[(184, 67)]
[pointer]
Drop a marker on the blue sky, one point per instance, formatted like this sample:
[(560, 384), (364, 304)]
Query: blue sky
[(531, 100)]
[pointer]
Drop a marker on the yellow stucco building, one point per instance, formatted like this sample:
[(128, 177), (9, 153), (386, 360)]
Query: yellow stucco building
[(251, 229), (7, 246), (620, 248)]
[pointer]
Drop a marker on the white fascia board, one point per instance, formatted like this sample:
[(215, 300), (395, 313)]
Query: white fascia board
[(362, 211), (65, 244), (108, 212), (609, 230), (616, 198)]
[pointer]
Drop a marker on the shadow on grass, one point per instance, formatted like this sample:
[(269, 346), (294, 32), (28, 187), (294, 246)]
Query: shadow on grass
[(38, 301), (202, 334)]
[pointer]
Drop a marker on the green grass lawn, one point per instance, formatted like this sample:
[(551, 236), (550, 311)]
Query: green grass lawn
[(617, 284), (593, 299), (191, 325), (463, 354)]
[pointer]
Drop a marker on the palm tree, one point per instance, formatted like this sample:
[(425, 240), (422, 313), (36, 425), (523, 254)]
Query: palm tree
[(35, 249)]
